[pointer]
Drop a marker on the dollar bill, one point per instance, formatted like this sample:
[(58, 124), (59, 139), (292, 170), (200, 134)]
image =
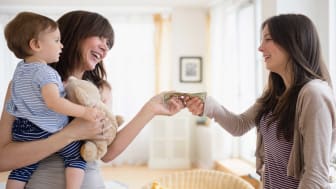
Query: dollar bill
[(182, 96)]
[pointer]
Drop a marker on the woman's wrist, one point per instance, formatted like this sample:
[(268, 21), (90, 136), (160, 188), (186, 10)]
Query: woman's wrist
[(147, 111), (64, 137), (67, 135)]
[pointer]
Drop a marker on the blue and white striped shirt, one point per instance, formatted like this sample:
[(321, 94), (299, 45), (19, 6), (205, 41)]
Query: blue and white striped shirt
[(26, 100)]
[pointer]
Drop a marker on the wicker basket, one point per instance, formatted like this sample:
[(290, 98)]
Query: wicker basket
[(201, 179)]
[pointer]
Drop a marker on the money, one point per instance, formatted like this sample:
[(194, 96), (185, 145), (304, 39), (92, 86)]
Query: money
[(182, 96)]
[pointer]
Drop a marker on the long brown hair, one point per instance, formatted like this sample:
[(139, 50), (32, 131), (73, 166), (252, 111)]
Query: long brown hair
[(297, 35), (76, 26)]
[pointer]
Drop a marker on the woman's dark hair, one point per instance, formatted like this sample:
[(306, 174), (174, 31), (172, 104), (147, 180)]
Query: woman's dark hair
[(297, 35), (75, 27)]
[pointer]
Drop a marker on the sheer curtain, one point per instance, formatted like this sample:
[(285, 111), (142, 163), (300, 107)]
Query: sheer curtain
[(234, 71), (222, 68), (131, 71)]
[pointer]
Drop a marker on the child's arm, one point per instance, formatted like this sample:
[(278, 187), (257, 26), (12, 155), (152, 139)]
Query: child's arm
[(55, 102)]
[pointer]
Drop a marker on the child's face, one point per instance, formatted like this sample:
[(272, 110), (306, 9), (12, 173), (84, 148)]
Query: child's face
[(50, 46)]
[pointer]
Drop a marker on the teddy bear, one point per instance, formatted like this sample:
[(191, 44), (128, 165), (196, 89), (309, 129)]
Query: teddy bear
[(86, 93)]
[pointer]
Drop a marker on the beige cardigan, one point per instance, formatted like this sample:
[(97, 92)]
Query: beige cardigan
[(314, 135)]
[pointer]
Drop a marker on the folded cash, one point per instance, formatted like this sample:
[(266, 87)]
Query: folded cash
[(182, 96)]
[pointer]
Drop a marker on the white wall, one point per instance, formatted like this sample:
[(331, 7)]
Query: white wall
[(189, 31), (188, 39)]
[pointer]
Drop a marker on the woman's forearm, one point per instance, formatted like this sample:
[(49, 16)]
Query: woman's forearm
[(127, 134), (235, 124), (18, 154), (155, 106)]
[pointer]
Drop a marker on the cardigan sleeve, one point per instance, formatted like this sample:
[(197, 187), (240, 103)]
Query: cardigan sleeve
[(316, 124), (235, 124)]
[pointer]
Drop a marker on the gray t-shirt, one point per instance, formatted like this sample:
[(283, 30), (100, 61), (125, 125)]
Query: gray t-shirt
[(50, 174)]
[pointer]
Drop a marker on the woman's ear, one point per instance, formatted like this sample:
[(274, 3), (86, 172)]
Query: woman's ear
[(34, 44)]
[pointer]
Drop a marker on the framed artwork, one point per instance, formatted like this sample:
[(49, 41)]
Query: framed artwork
[(191, 69)]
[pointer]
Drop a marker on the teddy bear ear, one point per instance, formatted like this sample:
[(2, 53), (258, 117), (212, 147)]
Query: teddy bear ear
[(71, 78)]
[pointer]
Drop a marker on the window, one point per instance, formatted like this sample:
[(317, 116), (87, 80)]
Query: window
[(248, 74), (235, 72), (131, 71)]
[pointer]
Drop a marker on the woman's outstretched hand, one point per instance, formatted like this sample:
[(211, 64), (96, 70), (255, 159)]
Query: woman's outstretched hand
[(159, 107)]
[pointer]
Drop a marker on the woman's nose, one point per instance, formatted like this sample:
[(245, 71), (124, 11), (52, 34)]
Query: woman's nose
[(260, 48)]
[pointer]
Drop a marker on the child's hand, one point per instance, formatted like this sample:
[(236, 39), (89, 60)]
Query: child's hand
[(91, 114)]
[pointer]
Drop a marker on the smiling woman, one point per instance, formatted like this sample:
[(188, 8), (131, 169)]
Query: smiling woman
[(289, 140), (75, 27)]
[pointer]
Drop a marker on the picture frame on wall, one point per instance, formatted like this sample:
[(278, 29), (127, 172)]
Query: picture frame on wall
[(191, 69)]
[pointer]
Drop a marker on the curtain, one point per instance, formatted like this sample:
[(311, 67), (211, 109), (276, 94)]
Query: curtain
[(162, 52), (234, 72), (130, 67)]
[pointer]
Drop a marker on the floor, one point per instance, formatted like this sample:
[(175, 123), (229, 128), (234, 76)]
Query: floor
[(132, 176)]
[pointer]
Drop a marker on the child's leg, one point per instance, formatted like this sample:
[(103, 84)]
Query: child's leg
[(24, 130), (15, 184), (74, 164), (74, 177), (18, 178)]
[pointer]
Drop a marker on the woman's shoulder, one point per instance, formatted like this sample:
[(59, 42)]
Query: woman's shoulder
[(316, 91), (315, 87)]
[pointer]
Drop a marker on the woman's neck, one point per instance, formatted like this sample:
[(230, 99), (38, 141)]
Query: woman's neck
[(78, 74), (287, 76), (287, 80)]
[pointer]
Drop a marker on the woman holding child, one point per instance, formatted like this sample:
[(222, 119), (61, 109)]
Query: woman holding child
[(86, 37)]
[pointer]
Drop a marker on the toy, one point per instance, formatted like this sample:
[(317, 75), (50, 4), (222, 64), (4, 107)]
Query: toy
[(156, 185), (86, 93)]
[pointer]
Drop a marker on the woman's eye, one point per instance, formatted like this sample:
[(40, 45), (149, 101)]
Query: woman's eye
[(108, 44)]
